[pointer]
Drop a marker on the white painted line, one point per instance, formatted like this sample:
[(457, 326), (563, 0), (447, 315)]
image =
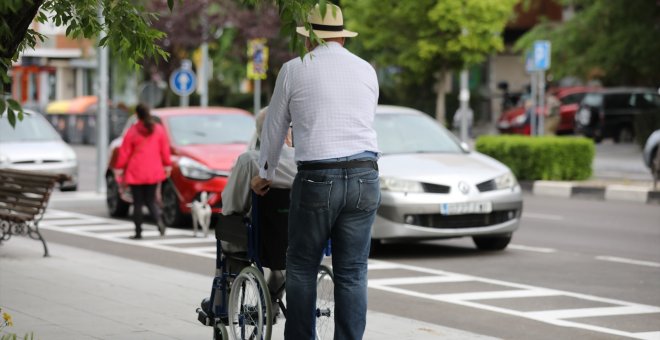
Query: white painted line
[(503, 294), (399, 281), (382, 265), (534, 249), (542, 216), (104, 227), (628, 261), (189, 240), (77, 196), (648, 335), (592, 312), (202, 249), (75, 221)]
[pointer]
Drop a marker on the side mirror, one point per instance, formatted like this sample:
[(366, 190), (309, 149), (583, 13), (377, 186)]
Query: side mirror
[(465, 147)]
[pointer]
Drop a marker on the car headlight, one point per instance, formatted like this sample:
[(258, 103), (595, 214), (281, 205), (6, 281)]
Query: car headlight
[(194, 170), (400, 185), (583, 117), (506, 181), (520, 120)]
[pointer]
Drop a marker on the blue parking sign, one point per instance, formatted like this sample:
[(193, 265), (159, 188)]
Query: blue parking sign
[(541, 55), (183, 82)]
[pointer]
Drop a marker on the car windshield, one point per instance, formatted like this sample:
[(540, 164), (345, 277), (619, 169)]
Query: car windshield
[(210, 129), (593, 99), (32, 128), (408, 133)]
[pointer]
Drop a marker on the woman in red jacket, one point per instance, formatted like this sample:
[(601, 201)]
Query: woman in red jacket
[(144, 161)]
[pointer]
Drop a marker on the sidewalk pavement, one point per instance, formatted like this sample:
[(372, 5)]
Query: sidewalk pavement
[(80, 294)]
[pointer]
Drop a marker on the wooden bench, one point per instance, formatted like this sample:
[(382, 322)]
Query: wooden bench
[(24, 197)]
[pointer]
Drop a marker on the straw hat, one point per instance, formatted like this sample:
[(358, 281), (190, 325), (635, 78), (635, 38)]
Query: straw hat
[(330, 26)]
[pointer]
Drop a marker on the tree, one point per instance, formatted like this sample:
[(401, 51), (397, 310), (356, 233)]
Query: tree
[(424, 39), (615, 41), (127, 25)]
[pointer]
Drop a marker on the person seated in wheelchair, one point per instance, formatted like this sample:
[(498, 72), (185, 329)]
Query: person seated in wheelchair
[(237, 199)]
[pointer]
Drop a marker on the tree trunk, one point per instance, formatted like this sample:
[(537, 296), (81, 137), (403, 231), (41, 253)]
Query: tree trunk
[(442, 86)]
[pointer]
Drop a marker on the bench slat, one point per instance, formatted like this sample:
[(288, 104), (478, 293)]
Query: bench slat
[(20, 208), (32, 175), (8, 215), (33, 193), (21, 201), (36, 187)]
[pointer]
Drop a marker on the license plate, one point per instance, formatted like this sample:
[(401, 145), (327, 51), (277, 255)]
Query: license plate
[(466, 208)]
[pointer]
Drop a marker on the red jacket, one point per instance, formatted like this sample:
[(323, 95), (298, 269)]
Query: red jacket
[(144, 156)]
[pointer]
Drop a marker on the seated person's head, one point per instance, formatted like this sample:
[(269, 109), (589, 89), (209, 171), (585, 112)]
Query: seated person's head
[(259, 121)]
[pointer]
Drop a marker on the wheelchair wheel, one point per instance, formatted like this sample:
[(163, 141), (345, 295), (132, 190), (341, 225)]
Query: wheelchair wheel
[(250, 315), (220, 332), (325, 304)]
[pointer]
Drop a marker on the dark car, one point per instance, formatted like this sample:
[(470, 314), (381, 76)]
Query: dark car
[(610, 113)]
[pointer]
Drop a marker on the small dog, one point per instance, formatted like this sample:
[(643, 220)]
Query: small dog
[(201, 214)]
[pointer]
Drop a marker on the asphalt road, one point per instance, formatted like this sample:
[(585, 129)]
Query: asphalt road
[(576, 268)]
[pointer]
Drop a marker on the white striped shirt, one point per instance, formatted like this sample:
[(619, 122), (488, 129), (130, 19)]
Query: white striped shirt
[(331, 97)]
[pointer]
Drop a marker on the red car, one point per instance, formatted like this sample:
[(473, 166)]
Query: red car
[(517, 120), (205, 143)]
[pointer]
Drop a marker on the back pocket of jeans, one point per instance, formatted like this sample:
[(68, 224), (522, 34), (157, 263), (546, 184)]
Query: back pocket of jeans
[(315, 195), (369, 198)]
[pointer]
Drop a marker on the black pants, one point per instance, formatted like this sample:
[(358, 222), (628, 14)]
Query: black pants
[(144, 195)]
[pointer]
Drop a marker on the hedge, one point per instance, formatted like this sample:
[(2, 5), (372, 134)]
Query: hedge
[(546, 158)]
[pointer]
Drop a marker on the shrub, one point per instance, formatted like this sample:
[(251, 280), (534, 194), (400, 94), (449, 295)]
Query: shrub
[(547, 158)]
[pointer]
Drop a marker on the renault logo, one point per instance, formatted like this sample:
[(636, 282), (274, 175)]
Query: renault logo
[(463, 187)]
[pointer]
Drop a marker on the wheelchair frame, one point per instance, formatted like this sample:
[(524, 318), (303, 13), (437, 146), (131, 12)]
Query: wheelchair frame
[(219, 313)]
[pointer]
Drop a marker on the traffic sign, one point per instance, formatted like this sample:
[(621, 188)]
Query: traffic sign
[(541, 55), (529, 62), (183, 81), (258, 59)]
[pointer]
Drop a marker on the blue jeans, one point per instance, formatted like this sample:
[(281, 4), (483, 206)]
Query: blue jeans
[(339, 204)]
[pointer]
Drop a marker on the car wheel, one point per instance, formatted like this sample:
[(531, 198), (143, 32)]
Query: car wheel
[(70, 188), (495, 242), (624, 135), (171, 214), (116, 206), (376, 247)]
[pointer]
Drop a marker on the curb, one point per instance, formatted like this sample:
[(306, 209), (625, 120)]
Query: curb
[(611, 192)]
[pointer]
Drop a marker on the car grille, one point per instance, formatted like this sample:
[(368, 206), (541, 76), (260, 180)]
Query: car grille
[(487, 186), (435, 188), (439, 221)]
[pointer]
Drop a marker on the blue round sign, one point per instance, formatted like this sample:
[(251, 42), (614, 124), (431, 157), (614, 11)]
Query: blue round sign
[(183, 82)]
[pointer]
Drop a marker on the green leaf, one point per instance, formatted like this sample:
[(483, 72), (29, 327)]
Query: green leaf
[(11, 116), (20, 116), (3, 106), (14, 105), (170, 4)]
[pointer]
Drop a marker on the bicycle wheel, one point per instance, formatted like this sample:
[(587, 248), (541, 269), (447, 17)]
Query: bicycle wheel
[(250, 315), (325, 304)]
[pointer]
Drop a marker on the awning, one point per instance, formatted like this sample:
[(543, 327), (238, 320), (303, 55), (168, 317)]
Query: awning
[(79, 105)]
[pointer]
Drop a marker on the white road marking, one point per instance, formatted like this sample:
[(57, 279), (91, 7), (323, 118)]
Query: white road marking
[(648, 335), (554, 317), (628, 261), (502, 294), (592, 312), (417, 280), (542, 216), (534, 249)]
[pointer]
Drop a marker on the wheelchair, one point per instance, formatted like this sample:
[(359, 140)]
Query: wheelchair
[(240, 304)]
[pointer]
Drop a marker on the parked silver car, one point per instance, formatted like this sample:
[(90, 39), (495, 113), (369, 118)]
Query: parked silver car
[(434, 187), (35, 145)]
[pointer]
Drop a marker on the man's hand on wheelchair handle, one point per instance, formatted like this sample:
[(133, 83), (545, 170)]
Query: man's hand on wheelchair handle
[(260, 185)]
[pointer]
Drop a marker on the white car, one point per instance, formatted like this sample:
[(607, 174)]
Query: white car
[(33, 144), (433, 187)]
